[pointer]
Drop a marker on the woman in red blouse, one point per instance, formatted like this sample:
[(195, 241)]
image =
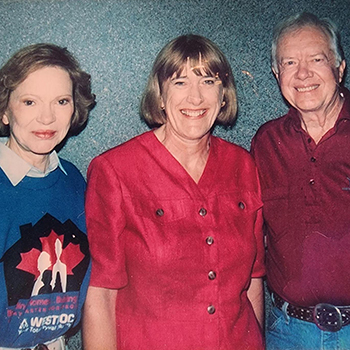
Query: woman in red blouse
[(174, 219)]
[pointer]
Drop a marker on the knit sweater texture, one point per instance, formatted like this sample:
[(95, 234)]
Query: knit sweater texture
[(44, 256)]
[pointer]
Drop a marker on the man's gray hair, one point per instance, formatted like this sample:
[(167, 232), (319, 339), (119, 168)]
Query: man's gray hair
[(302, 20)]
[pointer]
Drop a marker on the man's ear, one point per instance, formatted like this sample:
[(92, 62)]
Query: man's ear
[(341, 70), (275, 73)]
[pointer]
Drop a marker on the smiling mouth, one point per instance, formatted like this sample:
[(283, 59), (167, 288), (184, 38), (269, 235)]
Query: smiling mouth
[(307, 89), (193, 113), (44, 134)]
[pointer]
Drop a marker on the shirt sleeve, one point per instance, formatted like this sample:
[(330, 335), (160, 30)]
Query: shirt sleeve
[(105, 225), (259, 266)]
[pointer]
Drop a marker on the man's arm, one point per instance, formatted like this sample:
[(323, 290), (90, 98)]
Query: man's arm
[(99, 324), (256, 297)]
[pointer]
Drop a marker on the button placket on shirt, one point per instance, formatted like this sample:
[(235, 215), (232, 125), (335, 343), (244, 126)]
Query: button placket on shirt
[(159, 212), (211, 274), (313, 165), (312, 147), (312, 180), (211, 309), (311, 189)]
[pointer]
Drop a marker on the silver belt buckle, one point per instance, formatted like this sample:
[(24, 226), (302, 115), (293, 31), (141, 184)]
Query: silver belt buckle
[(328, 317)]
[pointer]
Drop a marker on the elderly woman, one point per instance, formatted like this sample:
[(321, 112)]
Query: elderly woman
[(44, 266), (174, 219)]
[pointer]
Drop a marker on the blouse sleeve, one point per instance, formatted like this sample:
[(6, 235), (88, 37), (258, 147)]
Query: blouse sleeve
[(105, 225), (259, 266)]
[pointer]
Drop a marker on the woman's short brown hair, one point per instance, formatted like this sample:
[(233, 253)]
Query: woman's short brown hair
[(172, 59), (33, 57)]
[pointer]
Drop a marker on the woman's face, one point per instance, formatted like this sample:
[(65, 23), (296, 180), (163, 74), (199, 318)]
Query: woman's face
[(39, 113), (192, 103)]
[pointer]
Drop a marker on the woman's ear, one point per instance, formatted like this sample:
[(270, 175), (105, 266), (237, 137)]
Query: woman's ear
[(223, 102), (162, 105), (5, 119)]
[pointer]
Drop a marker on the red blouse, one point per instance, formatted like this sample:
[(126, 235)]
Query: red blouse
[(181, 254)]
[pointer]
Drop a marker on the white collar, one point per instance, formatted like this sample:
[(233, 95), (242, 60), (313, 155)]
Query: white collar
[(17, 168)]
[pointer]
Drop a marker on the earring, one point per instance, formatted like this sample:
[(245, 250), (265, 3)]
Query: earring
[(223, 103)]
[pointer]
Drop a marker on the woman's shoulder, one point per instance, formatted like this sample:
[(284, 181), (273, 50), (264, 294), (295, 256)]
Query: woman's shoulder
[(229, 149), (68, 166), (127, 149), (232, 158), (235, 165), (71, 170)]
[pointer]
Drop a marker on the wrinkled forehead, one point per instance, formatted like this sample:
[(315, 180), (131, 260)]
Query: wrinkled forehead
[(306, 31)]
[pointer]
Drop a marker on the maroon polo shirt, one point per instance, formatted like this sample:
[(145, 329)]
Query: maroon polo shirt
[(306, 195), (181, 254)]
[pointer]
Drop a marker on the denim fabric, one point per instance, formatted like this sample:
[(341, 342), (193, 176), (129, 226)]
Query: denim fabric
[(288, 333)]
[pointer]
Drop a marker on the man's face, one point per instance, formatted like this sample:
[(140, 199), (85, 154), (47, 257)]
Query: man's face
[(307, 74)]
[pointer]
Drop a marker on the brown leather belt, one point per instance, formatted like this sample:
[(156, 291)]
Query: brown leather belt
[(327, 317)]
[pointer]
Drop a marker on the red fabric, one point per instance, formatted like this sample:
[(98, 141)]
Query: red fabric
[(160, 263), (306, 195)]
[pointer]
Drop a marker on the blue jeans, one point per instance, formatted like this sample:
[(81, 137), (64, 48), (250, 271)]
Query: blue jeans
[(288, 333)]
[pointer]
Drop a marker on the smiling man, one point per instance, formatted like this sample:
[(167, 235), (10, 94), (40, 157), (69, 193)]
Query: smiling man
[(304, 168)]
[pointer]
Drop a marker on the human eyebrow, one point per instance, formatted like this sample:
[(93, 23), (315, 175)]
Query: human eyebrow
[(65, 100), (180, 77), (320, 55), (287, 61), (209, 77), (27, 99)]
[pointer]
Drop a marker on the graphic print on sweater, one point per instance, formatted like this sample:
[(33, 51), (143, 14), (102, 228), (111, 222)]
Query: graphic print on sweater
[(44, 271)]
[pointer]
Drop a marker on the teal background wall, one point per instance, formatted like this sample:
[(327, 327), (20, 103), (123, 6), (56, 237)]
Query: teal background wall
[(117, 41)]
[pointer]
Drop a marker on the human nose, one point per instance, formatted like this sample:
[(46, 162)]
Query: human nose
[(46, 115), (303, 70), (195, 95)]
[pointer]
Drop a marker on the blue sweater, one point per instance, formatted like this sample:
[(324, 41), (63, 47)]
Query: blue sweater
[(44, 256)]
